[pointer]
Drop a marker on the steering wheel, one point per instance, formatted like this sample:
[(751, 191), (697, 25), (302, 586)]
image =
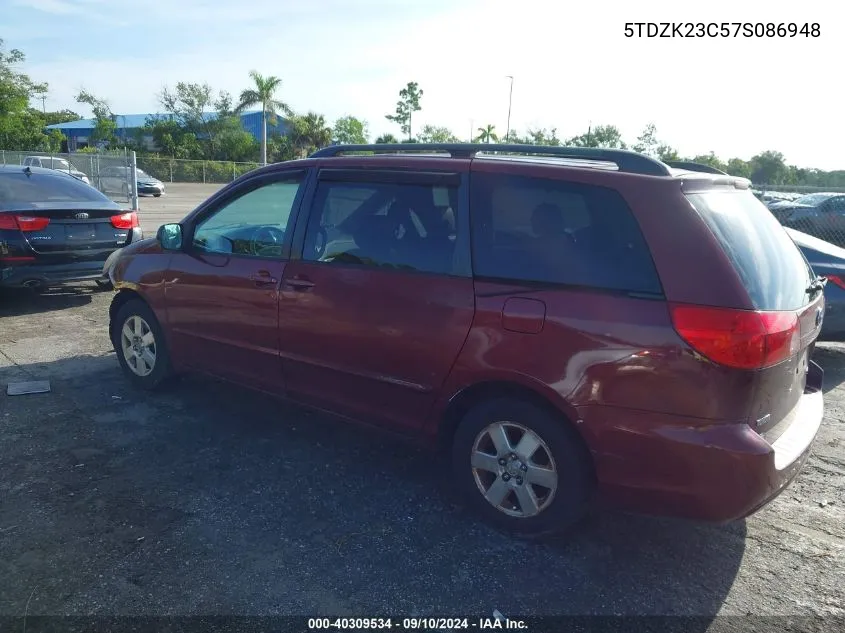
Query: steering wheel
[(267, 241), (321, 241)]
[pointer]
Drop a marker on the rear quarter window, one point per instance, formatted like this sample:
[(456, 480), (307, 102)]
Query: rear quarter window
[(20, 188), (770, 265), (553, 231)]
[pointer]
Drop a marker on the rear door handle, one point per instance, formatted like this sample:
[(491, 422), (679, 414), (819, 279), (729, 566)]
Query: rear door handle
[(299, 284), (263, 278)]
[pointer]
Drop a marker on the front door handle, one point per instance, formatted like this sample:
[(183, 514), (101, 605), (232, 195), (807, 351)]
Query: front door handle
[(298, 283), (263, 278)]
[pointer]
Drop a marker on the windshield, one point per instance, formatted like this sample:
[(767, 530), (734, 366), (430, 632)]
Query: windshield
[(20, 188), (140, 173), (769, 263), (55, 163), (813, 199)]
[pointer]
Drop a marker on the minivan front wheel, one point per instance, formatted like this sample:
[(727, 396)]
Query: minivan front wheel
[(522, 468), (140, 345)]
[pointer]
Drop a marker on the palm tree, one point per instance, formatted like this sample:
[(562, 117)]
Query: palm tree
[(263, 94), (487, 134), (309, 132)]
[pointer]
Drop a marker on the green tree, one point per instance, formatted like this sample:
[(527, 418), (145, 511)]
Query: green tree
[(233, 142), (309, 132), (739, 167), (20, 126), (105, 126), (263, 94), (768, 168), (607, 136), (436, 134), (409, 102), (710, 159), (667, 153), (487, 134), (62, 116), (647, 142), (543, 136), (350, 131), (190, 104), (387, 138)]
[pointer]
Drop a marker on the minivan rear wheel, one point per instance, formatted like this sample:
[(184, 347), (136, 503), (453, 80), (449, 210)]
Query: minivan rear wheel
[(140, 345), (524, 469)]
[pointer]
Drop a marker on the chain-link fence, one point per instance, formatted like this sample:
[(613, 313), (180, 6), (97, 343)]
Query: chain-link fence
[(817, 211), (205, 171), (110, 172)]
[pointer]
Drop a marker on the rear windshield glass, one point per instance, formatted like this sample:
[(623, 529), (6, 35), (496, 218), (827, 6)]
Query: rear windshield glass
[(769, 263), (813, 198), (18, 188)]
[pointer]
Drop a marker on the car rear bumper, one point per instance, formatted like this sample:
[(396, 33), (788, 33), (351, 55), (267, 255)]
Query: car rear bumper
[(665, 465), (33, 275)]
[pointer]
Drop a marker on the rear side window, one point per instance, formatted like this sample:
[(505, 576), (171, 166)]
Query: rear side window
[(19, 188), (385, 225), (769, 263), (540, 230)]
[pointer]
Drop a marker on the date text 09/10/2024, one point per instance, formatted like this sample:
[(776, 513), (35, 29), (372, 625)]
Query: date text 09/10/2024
[(415, 624), (722, 29)]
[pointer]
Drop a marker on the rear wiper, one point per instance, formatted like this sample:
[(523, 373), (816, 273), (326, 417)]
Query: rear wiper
[(817, 285)]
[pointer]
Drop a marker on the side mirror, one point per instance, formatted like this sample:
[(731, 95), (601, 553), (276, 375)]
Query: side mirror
[(170, 237)]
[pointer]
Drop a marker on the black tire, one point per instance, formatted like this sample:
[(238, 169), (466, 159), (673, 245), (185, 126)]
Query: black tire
[(571, 500), (156, 195), (162, 370)]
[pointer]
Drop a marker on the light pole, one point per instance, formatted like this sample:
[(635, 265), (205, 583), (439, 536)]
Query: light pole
[(510, 101)]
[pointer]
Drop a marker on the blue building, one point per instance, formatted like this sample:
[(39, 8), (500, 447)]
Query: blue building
[(79, 132)]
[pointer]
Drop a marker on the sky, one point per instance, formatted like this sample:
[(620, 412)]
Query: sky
[(571, 64)]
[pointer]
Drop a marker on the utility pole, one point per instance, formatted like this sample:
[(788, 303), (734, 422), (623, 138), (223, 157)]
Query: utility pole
[(510, 101), (44, 104)]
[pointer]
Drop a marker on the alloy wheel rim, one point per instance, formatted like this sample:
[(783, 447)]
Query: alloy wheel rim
[(139, 346), (514, 469)]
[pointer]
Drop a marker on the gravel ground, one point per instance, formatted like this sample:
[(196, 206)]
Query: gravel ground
[(208, 499)]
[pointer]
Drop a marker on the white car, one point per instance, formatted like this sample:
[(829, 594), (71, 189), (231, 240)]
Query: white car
[(59, 164)]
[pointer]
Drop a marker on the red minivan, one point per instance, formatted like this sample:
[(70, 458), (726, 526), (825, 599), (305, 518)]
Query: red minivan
[(573, 325)]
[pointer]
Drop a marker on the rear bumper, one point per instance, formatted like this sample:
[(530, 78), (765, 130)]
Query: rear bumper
[(33, 275), (660, 464), (24, 274)]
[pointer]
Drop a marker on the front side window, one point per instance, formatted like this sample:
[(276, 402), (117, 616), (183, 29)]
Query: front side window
[(551, 231), (253, 224), (385, 225)]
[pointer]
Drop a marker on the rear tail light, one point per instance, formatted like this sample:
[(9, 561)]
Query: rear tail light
[(128, 220), (26, 223), (7, 259), (836, 280), (744, 339)]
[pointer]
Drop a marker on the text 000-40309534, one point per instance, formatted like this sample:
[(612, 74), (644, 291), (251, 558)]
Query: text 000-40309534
[(722, 29)]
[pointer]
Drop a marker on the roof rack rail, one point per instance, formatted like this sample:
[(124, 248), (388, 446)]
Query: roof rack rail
[(690, 166), (625, 161)]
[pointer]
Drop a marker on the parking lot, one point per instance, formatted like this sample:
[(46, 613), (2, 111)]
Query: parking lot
[(210, 499), (178, 201)]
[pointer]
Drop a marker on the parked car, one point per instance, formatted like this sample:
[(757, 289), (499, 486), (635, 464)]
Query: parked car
[(821, 215), (54, 229), (117, 180), (59, 164), (582, 326), (828, 261)]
